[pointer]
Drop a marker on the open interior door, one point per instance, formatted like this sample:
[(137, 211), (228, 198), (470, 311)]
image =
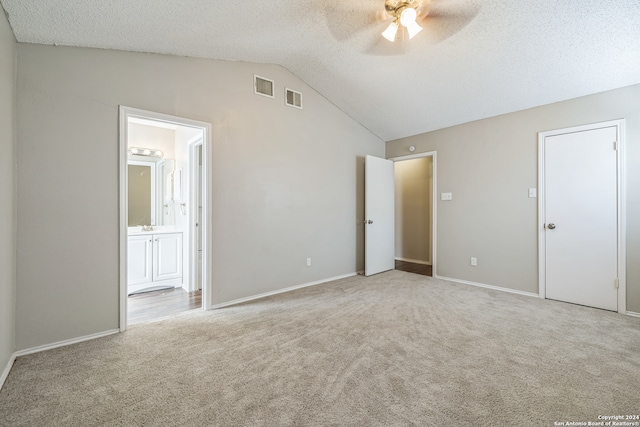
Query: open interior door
[(379, 227)]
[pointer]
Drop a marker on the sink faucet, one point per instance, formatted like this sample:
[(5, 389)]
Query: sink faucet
[(147, 228)]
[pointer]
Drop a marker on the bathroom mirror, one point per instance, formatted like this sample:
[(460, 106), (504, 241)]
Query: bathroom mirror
[(146, 189)]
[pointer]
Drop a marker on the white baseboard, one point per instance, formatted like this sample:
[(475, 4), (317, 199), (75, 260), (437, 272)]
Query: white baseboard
[(415, 261), (280, 291), (65, 343), (632, 313), (7, 368), (495, 288)]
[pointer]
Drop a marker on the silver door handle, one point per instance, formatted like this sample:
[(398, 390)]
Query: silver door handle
[(551, 226), (368, 222)]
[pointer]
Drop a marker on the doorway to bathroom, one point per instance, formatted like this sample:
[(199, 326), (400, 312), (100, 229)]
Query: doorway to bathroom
[(164, 200)]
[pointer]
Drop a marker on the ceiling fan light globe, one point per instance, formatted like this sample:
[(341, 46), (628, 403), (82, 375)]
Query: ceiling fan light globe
[(408, 16), (390, 32), (413, 29)]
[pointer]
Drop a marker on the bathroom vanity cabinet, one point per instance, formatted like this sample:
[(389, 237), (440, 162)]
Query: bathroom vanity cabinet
[(154, 261)]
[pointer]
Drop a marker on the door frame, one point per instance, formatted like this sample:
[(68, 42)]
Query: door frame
[(125, 114), (434, 202), (192, 147), (621, 205)]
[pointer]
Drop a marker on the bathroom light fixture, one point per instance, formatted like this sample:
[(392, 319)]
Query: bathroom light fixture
[(149, 152), (405, 13)]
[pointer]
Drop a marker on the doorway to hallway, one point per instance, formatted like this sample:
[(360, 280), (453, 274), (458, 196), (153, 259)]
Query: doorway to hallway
[(396, 227), (413, 180)]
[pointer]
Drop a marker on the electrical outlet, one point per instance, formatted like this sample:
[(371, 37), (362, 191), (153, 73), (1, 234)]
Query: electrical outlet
[(446, 196), (308, 262), (474, 261)]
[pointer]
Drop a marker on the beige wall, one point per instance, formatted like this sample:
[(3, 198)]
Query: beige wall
[(489, 164), (287, 183), (7, 191), (412, 180)]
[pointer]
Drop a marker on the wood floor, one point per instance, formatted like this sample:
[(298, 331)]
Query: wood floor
[(153, 305), (411, 267), (148, 306)]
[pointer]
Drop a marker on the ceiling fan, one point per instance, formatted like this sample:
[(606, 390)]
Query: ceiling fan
[(405, 13), (364, 20)]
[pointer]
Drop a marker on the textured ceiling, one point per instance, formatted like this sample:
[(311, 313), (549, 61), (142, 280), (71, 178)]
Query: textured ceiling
[(475, 58)]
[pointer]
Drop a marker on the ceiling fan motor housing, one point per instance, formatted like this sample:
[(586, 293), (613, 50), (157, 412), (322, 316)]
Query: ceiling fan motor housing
[(395, 7)]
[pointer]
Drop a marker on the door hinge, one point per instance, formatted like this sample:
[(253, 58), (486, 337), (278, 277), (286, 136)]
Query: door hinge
[(615, 145), (616, 283)]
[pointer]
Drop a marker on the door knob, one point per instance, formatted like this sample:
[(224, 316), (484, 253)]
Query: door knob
[(551, 226), (369, 222)]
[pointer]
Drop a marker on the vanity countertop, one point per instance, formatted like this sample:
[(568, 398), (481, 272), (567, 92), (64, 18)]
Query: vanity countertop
[(137, 231)]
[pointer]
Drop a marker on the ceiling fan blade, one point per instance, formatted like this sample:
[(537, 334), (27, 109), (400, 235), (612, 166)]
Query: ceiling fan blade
[(382, 15), (446, 18), (438, 28), (423, 10), (347, 19)]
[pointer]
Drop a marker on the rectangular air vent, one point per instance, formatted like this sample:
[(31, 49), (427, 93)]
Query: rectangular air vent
[(293, 98), (263, 86)]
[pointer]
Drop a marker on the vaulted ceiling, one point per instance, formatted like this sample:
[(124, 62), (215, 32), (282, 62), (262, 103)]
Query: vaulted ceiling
[(474, 59)]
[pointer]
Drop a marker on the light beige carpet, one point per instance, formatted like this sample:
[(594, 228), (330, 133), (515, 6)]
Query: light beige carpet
[(393, 349)]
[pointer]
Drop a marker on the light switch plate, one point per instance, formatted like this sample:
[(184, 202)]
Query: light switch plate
[(532, 192), (446, 196)]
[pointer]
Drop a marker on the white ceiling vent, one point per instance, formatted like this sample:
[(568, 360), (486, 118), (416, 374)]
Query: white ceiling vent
[(293, 98), (263, 86)]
